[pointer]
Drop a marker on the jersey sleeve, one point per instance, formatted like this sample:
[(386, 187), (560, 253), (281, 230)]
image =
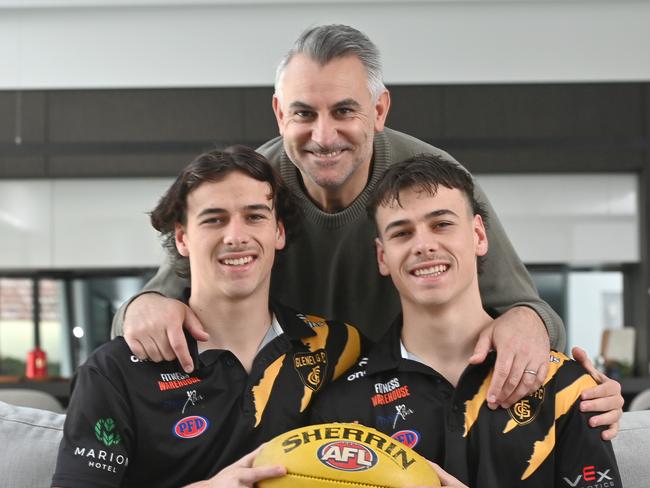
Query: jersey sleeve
[(582, 458), (97, 436), (165, 282), (505, 282)]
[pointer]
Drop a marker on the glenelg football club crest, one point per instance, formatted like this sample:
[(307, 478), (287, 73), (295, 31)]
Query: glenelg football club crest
[(311, 367), (525, 410)]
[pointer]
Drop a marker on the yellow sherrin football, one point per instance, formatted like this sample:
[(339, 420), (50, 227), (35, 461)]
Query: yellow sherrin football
[(343, 455)]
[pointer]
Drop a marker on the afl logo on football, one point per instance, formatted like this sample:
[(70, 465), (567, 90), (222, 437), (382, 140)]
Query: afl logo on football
[(347, 456), (407, 437), (190, 427)]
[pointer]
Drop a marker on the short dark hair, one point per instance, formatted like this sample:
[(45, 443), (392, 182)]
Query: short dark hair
[(423, 172), (214, 166)]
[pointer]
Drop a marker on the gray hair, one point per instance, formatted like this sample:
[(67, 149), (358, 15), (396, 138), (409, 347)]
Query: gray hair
[(327, 42)]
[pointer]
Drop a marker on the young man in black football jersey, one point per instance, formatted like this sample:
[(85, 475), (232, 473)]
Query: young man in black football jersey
[(417, 383), (138, 423)]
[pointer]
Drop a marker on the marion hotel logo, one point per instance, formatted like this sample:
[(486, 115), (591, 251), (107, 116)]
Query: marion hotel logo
[(101, 459)]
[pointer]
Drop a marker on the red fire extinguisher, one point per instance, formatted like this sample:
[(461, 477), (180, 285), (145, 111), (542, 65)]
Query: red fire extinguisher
[(36, 364)]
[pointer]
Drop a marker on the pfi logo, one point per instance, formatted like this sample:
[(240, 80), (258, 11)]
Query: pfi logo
[(407, 437), (347, 456), (190, 427), (591, 475)]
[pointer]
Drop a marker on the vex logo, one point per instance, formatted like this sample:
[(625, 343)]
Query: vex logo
[(347, 456), (591, 475), (106, 432)]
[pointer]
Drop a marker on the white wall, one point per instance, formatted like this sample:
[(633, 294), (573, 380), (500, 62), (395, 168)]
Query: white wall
[(169, 43), (585, 321), (60, 224), (103, 223), (570, 218)]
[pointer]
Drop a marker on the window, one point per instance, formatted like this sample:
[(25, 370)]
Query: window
[(17, 330), (589, 301), (74, 317)]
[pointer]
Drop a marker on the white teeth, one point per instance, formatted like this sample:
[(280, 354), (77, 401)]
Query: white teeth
[(238, 261), (328, 155), (431, 271)]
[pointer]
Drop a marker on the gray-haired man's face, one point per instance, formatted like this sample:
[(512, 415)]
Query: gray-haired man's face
[(328, 118)]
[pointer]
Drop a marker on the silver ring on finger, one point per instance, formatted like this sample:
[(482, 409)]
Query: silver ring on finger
[(530, 371)]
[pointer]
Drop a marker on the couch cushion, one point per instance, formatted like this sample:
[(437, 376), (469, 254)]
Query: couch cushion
[(30, 443), (632, 448)]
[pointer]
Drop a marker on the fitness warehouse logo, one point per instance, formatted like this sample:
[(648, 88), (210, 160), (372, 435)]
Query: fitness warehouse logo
[(173, 381), (591, 477), (101, 459), (389, 392)]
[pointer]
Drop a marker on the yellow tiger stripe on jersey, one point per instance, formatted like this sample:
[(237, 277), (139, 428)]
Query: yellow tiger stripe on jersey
[(567, 397), (350, 354), (262, 391), (564, 400), (553, 368), (473, 406), (541, 450), (318, 341), (314, 343)]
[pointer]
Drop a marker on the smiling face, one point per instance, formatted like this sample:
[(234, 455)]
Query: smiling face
[(327, 119), (429, 245), (230, 236)]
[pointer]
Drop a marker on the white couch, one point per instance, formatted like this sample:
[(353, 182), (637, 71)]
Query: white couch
[(29, 440)]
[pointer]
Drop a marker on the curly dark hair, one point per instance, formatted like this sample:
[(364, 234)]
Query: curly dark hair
[(214, 166)]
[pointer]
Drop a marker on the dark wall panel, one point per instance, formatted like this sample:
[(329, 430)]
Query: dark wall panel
[(548, 157), (417, 110), (118, 165), (259, 121), (646, 121), (543, 111), (22, 167), (30, 124), (146, 115), (531, 128)]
